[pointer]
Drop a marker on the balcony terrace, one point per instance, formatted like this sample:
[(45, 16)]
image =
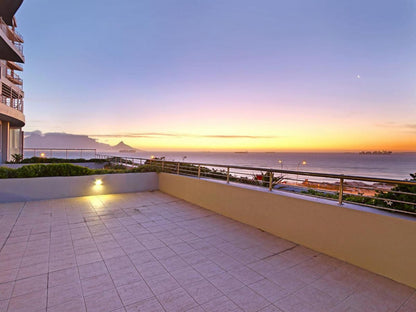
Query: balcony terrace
[(14, 66), (150, 251), (11, 43), (14, 78)]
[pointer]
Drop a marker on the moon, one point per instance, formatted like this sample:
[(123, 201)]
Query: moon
[(358, 76)]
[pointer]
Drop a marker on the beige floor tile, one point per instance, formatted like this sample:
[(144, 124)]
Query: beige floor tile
[(176, 300), (142, 245), (248, 300)]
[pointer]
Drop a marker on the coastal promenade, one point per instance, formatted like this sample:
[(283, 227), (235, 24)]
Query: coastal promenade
[(149, 251)]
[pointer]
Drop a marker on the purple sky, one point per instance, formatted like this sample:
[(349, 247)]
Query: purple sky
[(337, 74)]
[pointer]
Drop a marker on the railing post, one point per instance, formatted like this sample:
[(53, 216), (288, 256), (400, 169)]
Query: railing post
[(199, 171), (163, 165), (270, 181), (228, 175), (178, 168), (66, 154), (341, 190)]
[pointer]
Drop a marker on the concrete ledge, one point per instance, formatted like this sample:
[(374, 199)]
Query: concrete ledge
[(29, 189), (381, 243)]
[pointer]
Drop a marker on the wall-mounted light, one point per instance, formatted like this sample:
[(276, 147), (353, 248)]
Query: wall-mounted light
[(98, 182)]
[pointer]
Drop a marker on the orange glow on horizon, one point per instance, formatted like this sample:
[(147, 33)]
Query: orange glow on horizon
[(311, 143)]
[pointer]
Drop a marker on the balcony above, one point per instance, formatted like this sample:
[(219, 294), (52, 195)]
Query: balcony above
[(11, 47), (8, 9), (14, 78), (12, 111), (14, 66)]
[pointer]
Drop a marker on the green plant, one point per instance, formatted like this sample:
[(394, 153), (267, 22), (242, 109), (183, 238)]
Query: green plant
[(265, 178), (52, 170), (17, 158), (405, 194), (43, 160), (114, 166)]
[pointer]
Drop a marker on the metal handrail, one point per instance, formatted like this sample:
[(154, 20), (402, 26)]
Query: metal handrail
[(228, 173), (305, 173)]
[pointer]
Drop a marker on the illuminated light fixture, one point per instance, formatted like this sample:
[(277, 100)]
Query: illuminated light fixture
[(42, 154), (152, 157), (303, 163), (98, 182)]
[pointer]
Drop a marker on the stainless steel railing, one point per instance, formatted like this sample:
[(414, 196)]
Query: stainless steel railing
[(380, 193)]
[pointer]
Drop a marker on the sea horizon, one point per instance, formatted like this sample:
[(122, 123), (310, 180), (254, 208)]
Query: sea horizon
[(391, 166)]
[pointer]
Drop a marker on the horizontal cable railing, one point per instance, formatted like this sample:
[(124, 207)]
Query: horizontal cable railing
[(380, 193)]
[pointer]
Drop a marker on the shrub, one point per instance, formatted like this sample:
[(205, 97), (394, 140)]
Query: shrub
[(43, 160), (17, 158), (406, 193), (6, 172), (53, 170)]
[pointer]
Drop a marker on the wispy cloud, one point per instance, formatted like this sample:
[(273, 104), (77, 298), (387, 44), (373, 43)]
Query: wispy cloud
[(179, 135), (399, 126)]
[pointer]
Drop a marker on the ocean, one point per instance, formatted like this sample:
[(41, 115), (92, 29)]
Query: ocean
[(392, 166)]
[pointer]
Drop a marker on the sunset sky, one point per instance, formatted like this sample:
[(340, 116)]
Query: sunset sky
[(223, 74)]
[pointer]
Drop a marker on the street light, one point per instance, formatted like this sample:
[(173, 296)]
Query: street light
[(303, 163)]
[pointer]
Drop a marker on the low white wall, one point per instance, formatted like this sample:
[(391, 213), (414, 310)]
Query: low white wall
[(379, 242), (15, 190)]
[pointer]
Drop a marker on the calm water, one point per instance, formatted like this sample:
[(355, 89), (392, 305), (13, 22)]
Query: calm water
[(394, 166)]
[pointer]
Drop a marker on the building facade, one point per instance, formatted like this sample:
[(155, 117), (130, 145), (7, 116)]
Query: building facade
[(12, 118)]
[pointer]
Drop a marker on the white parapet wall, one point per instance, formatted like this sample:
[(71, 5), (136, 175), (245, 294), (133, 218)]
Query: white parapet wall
[(380, 242), (29, 189)]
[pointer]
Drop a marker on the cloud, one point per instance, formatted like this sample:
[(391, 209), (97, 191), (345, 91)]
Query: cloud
[(179, 135), (388, 124), (397, 125)]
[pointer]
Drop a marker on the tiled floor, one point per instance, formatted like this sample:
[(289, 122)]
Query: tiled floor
[(152, 252)]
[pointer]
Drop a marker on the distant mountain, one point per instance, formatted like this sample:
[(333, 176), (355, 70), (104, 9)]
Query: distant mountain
[(123, 147), (65, 140)]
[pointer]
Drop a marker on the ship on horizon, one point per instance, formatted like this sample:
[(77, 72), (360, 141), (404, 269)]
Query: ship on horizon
[(375, 153)]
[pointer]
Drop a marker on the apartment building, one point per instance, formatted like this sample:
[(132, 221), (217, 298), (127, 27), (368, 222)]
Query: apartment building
[(12, 118)]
